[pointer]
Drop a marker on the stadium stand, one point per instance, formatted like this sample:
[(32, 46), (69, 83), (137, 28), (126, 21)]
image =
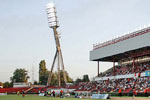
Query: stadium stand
[(130, 55)]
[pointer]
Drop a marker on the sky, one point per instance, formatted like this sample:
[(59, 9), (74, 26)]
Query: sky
[(26, 39)]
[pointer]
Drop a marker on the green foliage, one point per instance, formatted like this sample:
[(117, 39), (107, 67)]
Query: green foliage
[(7, 85), (1, 84), (35, 83), (78, 80), (42, 67), (55, 79), (43, 78), (85, 78), (69, 80), (20, 75), (43, 73)]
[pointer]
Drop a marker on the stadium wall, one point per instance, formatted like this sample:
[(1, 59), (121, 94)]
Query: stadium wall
[(120, 76)]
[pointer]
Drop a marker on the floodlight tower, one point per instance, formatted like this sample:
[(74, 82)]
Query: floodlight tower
[(53, 23)]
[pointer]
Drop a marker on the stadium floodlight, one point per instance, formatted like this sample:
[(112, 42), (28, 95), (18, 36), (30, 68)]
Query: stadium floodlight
[(51, 15), (58, 58)]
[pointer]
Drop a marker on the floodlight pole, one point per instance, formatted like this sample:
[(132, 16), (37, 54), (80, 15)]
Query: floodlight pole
[(59, 57), (52, 18)]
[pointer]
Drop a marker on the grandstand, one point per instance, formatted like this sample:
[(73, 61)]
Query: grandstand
[(130, 55)]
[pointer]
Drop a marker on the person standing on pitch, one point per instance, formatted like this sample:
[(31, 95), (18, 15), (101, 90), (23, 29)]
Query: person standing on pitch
[(23, 93), (18, 93), (53, 93), (61, 93)]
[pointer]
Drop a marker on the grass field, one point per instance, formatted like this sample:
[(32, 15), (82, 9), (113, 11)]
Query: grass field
[(36, 97)]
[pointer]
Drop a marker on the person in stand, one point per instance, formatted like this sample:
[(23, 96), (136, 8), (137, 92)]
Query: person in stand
[(139, 74), (134, 94), (145, 92), (120, 92), (53, 93)]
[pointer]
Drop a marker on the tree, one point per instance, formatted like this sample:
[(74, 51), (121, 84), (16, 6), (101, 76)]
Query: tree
[(55, 78), (7, 85), (85, 78), (1, 84), (78, 80), (20, 75), (69, 80), (43, 73), (43, 78), (35, 83)]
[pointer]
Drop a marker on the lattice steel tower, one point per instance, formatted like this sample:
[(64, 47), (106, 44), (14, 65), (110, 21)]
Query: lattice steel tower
[(58, 58)]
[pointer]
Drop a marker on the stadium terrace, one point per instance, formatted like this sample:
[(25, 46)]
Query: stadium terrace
[(130, 55)]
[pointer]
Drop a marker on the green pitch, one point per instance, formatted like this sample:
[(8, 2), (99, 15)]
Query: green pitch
[(35, 97)]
